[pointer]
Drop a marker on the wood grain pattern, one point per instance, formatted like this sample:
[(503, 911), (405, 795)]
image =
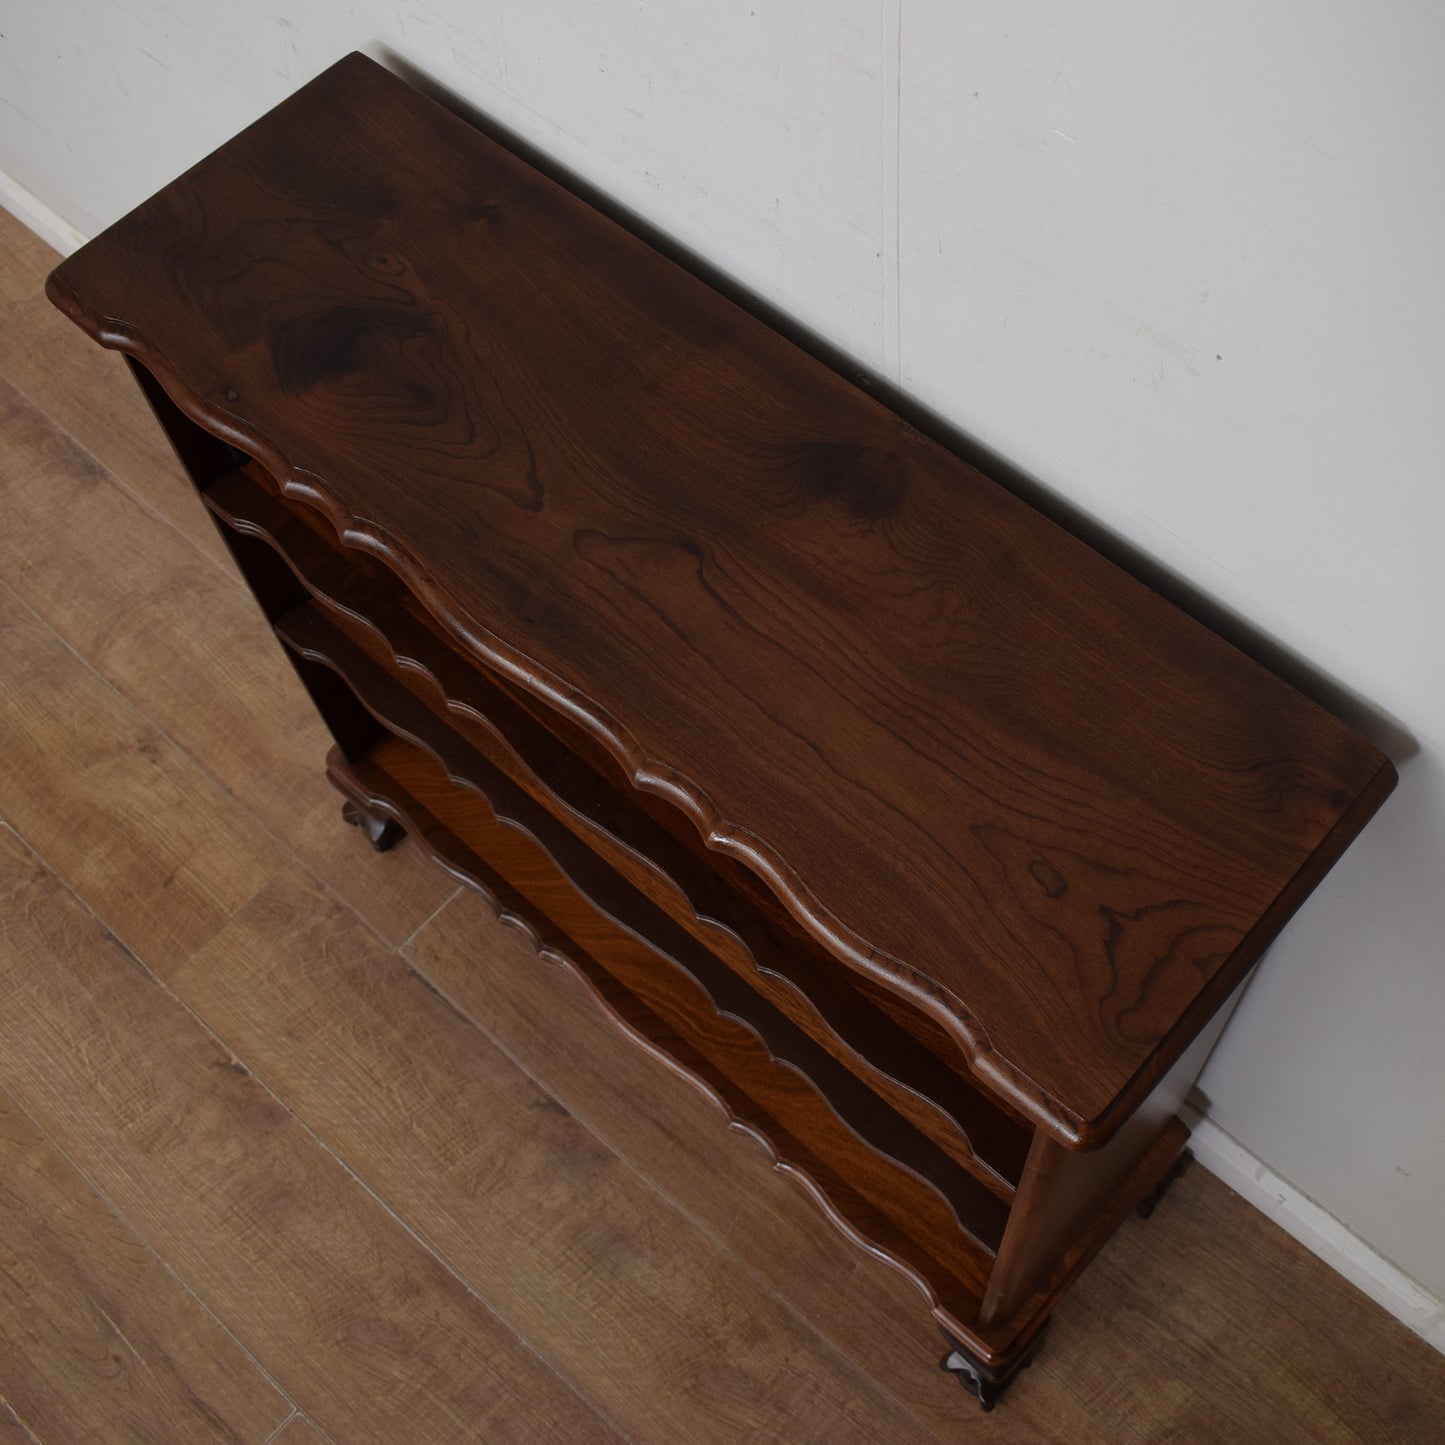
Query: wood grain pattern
[(1146, 1347), (371, 1335), (586, 1260), (165, 624), (85, 392), (97, 1340), (127, 819), (545, 1018), (519, 840), (982, 765), (299, 1431), (407, 663), (1092, 1370), (897, 1214), (1233, 1306)]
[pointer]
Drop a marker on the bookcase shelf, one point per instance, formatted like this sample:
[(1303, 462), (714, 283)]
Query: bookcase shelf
[(925, 841)]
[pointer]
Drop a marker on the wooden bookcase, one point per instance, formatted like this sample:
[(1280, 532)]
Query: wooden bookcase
[(925, 841)]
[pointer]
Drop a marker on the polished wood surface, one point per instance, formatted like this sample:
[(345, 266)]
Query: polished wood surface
[(918, 835), (982, 766), (1205, 1324), (365, 628)]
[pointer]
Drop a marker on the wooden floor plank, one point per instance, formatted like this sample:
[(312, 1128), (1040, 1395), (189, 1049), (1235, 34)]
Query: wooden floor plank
[(12, 1431), (549, 1023), (97, 1340), (87, 391), (183, 638), (666, 1330), (1207, 1324), (299, 1431), (1101, 1363), (22, 254), (1227, 1304), (147, 838), (361, 1326)]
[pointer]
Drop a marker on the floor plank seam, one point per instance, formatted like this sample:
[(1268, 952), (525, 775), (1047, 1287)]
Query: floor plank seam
[(119, 481), (80, 657), (145, 1243), (855, 1367), (405, 1224), (110, 932), (344, 840), (294, 1415), (406, 942), (199, 762), (19, 1419)]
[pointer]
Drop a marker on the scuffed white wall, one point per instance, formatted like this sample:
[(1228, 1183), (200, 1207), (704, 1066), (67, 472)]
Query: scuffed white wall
[(1181, 263), (752, 132)]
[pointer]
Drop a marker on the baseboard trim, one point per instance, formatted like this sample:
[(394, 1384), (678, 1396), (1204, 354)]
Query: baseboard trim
[(1319, 1231), (29, 209)]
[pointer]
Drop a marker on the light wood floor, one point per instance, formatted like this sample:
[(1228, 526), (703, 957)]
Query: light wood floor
[(298, 1143)]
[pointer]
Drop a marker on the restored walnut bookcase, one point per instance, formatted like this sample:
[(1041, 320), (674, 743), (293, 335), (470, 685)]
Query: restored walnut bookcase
[(926, 841)]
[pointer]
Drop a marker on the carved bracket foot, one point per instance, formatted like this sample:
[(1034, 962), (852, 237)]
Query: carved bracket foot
[(1150, 1202), (987, 1381), (382, 833)]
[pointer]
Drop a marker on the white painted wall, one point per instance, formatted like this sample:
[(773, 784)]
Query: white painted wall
[(1180, 262)]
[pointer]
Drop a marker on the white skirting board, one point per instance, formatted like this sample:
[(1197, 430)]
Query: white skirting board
[(1320, 1232), (26, 206), (1222, 1155)]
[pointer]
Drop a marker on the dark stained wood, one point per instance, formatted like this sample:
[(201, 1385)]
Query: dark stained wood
[(97, 1340), (976, 1209), (371, 614), (825, 1140), (274, 586), (920, 837), (1209, 1324), (984, 766), (1068, 1198)]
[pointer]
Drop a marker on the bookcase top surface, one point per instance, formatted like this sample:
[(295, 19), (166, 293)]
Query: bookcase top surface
[(981, 763)]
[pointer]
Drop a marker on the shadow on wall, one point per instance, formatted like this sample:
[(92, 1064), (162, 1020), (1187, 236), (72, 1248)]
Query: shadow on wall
[(1386, 732)]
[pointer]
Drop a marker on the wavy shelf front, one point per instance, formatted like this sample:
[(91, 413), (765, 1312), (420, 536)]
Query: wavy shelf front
[(726, 914), (927, 840), (969, 1206), (878, 1205)]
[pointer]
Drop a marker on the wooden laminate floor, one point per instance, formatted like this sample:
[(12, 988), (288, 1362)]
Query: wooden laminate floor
[(298, 1143)]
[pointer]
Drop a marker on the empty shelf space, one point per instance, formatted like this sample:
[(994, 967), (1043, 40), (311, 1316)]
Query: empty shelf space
[(366, 610), (745, 1055), (978, 1211)]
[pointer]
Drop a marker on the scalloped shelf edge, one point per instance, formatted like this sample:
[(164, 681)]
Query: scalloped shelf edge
[(345, 780), (417, 666), (411, 739), (653, 775)]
